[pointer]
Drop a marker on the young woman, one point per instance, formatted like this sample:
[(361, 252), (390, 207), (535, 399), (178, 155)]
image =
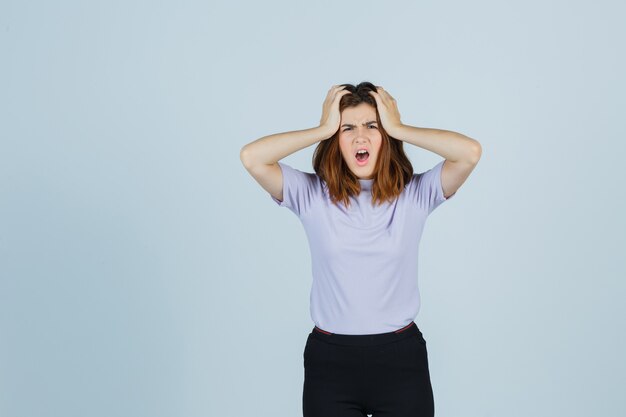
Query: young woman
[(363, 211)]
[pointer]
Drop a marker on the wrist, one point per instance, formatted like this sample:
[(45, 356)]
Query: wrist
[(395, 130), (325, 132)]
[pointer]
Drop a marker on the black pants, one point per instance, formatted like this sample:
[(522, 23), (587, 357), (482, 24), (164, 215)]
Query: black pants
[(383, 374)]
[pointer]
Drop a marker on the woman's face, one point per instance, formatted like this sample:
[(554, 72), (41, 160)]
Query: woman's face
[(358, 129)]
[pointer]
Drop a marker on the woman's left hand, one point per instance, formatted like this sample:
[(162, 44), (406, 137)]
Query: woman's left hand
[(387, 109)]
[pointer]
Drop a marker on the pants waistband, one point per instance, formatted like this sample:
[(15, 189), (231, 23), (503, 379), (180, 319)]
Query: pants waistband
[(365, 339)]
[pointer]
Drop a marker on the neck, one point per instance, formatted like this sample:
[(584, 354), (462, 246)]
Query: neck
[(366, 184)]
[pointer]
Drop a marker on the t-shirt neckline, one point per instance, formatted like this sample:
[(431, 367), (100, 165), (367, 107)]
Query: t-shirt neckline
[(366, 184)]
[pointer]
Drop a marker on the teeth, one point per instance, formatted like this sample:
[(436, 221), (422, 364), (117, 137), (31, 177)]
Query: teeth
[(361, 151)]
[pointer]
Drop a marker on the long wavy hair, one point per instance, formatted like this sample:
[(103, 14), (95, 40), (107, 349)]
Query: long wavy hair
[(392, 171)]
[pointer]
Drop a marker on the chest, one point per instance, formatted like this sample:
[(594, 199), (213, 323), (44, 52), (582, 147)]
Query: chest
[(389, 230)]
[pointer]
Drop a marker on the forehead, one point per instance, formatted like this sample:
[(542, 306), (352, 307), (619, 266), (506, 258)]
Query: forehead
[(361, 113)]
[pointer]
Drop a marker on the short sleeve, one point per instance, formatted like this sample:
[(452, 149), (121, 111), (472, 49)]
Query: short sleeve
[(299, 189), (429, 193)]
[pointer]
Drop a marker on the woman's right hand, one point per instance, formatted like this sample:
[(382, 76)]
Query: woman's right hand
[(331, 117)]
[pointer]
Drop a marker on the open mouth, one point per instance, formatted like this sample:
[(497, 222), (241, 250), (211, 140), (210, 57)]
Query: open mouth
[(362, 156)]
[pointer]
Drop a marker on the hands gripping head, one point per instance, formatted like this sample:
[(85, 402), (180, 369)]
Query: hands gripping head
[(352, 122), (342, 96), (360, 133)]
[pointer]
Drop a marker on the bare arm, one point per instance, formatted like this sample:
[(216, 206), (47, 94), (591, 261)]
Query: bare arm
[(462, 153), (270, 149), (261, 156)]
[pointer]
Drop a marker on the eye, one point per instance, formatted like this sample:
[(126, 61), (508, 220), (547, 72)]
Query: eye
[(347, 128), (374, 126)]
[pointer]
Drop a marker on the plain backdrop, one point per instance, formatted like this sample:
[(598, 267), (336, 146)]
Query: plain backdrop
[(144, 272)]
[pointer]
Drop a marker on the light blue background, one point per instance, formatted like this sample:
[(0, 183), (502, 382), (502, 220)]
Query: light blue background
[(145, 273)]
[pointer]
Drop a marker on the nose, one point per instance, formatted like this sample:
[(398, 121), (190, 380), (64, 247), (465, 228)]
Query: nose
[(361, 140), (361, 134)]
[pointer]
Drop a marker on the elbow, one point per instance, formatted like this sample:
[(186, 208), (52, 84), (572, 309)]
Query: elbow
[(244, 156), (476, 152)]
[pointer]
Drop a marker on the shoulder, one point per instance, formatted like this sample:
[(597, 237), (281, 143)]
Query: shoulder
[(301, 189), (299, 177)]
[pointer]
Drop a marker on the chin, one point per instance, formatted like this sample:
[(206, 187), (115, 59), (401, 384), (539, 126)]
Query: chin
[(363, 172)]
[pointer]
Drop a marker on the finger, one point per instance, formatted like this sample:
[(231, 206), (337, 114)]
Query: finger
[(382, 95), (386, 96), (332, 92), (341, 94), (376, 96)]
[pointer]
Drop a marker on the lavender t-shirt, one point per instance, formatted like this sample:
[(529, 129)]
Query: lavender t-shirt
[(364, 258)]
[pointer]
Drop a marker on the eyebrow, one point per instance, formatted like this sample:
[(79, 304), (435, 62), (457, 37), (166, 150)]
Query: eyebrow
[(366, 123)]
